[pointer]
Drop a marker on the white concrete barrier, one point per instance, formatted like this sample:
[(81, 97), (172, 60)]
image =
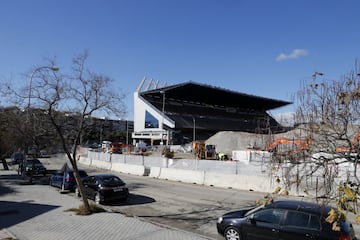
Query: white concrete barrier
[(85, 161), (128, 168), (101, 164), (247, 156), (155, 172), (182, 175), (254, 183)]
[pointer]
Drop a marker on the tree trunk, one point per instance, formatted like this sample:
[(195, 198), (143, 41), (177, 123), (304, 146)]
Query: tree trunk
[(80, 186), (6, 167)]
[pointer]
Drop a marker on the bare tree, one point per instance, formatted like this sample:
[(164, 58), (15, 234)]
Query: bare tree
[(329, 114), (11, 133), (70, 100)]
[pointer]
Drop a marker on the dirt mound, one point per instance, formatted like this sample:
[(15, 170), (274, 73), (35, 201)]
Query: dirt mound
[(229, 141)]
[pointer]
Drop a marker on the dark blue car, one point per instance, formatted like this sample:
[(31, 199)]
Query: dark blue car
[(66, 180), (104, 188), (287, 220)]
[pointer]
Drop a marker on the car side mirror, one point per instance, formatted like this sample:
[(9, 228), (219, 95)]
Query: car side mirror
[(251, 219)]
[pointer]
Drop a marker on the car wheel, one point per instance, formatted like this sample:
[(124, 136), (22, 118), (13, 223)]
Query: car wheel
[(97, 198), (232, 233), (77, 192)]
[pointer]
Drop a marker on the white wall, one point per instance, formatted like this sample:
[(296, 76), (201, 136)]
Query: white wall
[(140, 107), (254, 175)]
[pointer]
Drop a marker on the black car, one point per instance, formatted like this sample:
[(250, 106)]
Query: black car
[(287, 220), (104, 188), (66, 179), (17, 158), (33, 166)]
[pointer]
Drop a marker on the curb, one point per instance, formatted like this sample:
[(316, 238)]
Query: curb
[(6, 235)]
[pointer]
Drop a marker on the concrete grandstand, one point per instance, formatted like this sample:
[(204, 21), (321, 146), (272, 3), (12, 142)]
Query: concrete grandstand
[(189, 111)]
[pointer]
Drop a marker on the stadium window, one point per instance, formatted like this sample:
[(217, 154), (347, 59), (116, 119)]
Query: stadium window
[(150, 121)]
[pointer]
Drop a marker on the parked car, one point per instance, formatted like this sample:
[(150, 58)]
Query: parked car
[(66, 179), (104, 188), (288, 220), (17, 157), (33, 166)]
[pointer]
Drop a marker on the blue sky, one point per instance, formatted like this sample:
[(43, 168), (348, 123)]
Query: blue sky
[(259, 47)]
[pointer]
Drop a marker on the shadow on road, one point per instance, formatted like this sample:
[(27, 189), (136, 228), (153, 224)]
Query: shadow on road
[(4, 184), (134, 186), (4, 190), (133, 199), (13, 213)]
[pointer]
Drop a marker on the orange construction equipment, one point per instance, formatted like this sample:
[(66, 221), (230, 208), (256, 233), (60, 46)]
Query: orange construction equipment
[(199, 149), (289, 149), (204, 151), (118, 147), (210, 152), (300, 144), (354, 145)]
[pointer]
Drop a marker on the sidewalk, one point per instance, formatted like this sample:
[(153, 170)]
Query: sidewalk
[(38, 212)]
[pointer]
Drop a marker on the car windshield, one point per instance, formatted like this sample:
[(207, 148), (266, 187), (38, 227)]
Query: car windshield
[(31, 161), (111, 179), (251, 211), (82, 173), (18, 156)]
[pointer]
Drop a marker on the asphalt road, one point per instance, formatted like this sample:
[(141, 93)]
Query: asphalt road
[(191, 207)]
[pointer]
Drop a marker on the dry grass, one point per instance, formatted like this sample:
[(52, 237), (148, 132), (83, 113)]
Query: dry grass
[(94, 208)]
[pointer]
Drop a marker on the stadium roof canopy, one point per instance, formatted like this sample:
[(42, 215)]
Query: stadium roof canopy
[(212, 109), (214, 96)]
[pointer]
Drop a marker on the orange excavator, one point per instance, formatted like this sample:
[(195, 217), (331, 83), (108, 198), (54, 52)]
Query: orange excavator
[(354, 144), (288, 149), (298, 144), (119, 147)]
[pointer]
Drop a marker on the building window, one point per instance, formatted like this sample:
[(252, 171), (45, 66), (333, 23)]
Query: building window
[(150, 121)]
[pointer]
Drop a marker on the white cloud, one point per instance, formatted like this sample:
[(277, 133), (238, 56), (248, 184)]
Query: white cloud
[(296, 53)]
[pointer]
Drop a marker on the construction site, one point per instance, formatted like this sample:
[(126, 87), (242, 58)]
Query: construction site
[(208, 122), (202, 134), (281, 143)]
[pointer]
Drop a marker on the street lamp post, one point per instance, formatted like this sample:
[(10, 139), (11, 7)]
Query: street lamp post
[(163, 118), (196, 161), (193, 129), (127, 132), (103, 122), (38, 69), (52, 68)]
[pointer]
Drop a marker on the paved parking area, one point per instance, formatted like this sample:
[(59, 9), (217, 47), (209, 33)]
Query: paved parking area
[(39, 212)]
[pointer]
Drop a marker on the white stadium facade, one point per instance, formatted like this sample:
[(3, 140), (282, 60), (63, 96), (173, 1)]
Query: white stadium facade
[(189, 111)]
